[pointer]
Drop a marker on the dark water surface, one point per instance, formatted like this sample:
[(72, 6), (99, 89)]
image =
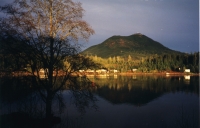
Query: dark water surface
[(124, 102)]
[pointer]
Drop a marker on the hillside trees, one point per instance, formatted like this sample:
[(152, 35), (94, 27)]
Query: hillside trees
[(171, 62), (48, 31), (152, 63)]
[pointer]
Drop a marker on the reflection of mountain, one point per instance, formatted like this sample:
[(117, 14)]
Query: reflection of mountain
[(143, 89), (136, 96)]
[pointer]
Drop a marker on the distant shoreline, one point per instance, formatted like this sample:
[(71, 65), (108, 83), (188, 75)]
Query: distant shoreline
[(161, 73), (21, 73)]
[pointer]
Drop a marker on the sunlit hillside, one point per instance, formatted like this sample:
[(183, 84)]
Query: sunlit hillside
[(136, 45)]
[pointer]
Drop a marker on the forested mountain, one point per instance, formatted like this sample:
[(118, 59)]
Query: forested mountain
[(138, 51), (136, 45)]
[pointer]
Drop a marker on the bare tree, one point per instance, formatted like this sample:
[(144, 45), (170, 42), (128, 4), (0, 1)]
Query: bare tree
[(48, 32)]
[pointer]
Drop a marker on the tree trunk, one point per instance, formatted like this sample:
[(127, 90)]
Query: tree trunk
[(49, 105)]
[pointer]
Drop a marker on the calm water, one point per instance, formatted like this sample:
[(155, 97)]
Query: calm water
[(129, 101), (143, 101)]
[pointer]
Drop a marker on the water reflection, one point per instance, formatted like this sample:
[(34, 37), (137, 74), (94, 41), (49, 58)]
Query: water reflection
[(140, 90), (21, 104)]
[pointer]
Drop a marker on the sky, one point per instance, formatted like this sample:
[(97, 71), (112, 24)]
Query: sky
[(173, 23)]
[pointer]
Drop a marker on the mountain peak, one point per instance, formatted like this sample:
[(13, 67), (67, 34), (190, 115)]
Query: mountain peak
[(127, 45), (139, 34)]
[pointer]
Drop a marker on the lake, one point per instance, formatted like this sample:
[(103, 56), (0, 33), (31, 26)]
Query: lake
[(139, 101)]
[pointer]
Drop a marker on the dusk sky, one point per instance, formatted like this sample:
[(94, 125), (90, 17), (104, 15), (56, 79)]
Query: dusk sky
[(173, 23)]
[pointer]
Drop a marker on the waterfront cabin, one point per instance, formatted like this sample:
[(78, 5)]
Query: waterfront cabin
[(114, 71), (101, 71), (187, 71), (89, 71), (81, 70), (43, 73), (134, 70)]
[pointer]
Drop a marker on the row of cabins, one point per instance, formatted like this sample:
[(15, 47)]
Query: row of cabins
[(98, 71), (43, 73), (102, 71), (115, 71)]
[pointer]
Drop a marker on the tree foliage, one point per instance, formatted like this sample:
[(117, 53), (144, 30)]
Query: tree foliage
[(152, 63), (44, 34)]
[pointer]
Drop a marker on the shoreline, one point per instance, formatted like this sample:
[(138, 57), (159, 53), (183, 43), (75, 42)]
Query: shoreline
[(162, 73), (15, 74)]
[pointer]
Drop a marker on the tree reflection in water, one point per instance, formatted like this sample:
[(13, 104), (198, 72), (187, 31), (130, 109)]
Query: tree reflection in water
[(141, 90), (21, 104)]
